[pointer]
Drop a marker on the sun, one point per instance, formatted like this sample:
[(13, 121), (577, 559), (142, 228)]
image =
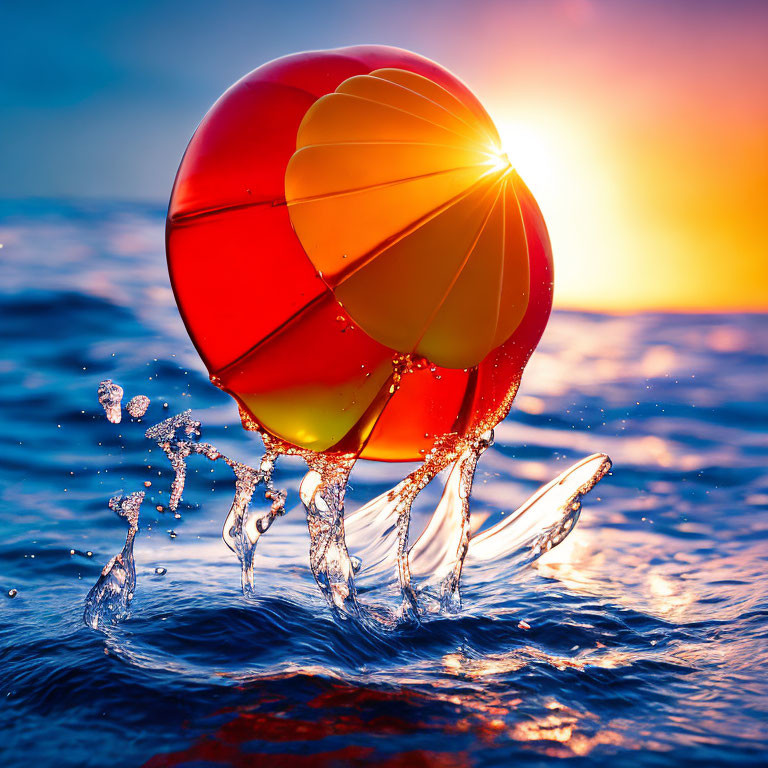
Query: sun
[(565, 168), (531, 155)]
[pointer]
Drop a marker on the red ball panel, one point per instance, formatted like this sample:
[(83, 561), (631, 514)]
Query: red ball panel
[(233, 291), (314, 381), (425, 406)]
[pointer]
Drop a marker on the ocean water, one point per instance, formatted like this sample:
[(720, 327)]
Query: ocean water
[(642, 640)]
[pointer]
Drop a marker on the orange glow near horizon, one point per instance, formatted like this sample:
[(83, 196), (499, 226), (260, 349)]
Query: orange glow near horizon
[(643, 134)]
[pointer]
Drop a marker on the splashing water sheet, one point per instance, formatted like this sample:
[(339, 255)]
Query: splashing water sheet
[(177, 437), (437, 557), (622, 623), (111, 596)]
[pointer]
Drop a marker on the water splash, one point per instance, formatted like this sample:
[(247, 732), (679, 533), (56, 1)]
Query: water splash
[(110, 397), (373, 542), (543, 521), (110, 598), (439, 553), (178, 437), (430, 571), (137, 406), (242, 529), (322, 492), (379, 531)]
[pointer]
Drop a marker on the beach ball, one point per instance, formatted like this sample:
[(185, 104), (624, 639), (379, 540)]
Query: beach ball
[(354, 256)]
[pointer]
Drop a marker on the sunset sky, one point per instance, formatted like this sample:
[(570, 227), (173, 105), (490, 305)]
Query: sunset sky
[(641, 127)]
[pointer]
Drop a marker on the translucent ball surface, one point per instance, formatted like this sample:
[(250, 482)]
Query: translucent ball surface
[(354, 256)]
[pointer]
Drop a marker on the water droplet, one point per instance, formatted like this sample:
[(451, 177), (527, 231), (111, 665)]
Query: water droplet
[(137, 406), (263, 523), (160, 571), (13, 592), (110, 396)]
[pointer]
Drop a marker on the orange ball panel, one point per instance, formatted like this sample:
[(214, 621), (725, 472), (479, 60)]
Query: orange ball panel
[(503, 367)]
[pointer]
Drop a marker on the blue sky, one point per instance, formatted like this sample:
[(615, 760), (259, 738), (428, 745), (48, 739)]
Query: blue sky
[(100, 99)]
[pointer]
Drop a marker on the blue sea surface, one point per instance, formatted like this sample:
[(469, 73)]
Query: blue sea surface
[(642, 640)]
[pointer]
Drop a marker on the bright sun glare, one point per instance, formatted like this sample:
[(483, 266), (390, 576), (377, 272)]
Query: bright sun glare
[(571, 183), (529, 154)]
